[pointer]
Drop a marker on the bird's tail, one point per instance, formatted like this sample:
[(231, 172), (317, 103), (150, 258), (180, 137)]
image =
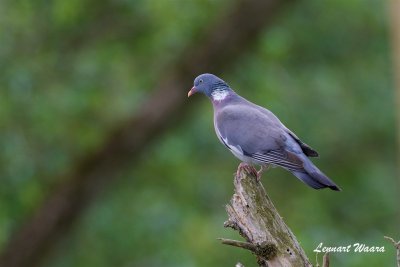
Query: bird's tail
[(313, 177)]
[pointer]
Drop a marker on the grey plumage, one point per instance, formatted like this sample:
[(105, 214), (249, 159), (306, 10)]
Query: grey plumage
[(256, 136)]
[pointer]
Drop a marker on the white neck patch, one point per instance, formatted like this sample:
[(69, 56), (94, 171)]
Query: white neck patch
[(219, 95)]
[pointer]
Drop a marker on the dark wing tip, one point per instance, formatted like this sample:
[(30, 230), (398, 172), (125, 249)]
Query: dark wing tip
[(306, 148), (309, 151), (335, 188)]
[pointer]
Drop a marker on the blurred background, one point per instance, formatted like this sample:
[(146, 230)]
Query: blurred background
[(105, 162)]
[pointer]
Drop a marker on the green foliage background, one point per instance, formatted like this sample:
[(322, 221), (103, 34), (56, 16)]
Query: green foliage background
[(71, 70)]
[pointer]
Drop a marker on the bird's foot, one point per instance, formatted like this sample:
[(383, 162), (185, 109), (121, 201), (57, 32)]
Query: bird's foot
[(248, 168), (263, 168)]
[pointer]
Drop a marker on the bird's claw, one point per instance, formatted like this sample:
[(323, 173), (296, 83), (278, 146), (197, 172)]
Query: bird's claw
[(263, 168)]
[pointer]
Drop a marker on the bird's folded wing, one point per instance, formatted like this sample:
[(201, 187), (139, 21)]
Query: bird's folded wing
[(277, 156), (249, 132), (281, 158), (307, 150)]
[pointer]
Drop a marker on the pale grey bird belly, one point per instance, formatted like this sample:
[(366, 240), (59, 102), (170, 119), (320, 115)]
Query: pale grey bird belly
[(244, 158)]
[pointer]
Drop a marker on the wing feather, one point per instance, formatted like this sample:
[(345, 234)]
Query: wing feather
[(281, 158)]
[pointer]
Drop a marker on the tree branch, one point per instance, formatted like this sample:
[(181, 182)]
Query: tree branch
[(239, 244), (252, 213), (325, 260), (221, 45)]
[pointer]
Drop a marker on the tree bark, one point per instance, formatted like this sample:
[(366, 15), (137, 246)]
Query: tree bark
[(221, 45), (252, 213)]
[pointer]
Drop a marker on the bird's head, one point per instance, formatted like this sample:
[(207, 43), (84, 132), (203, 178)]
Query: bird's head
[(210, 85)]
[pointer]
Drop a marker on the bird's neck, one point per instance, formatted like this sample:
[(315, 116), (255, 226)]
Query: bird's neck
[(222, 96), (219, 95)]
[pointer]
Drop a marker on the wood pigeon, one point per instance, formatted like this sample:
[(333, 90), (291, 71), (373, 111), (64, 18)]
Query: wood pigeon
[(256, 136)]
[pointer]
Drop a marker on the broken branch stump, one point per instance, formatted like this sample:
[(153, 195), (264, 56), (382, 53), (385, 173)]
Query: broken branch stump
[(252, 213)]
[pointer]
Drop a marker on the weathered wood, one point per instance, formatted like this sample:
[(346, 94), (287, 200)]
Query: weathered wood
[(252, 213), (325, 260)]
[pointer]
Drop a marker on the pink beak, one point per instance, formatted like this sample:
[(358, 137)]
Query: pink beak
[(192, 91)]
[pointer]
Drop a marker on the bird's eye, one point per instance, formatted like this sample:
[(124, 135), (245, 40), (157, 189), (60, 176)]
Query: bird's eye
[(200, 81)]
